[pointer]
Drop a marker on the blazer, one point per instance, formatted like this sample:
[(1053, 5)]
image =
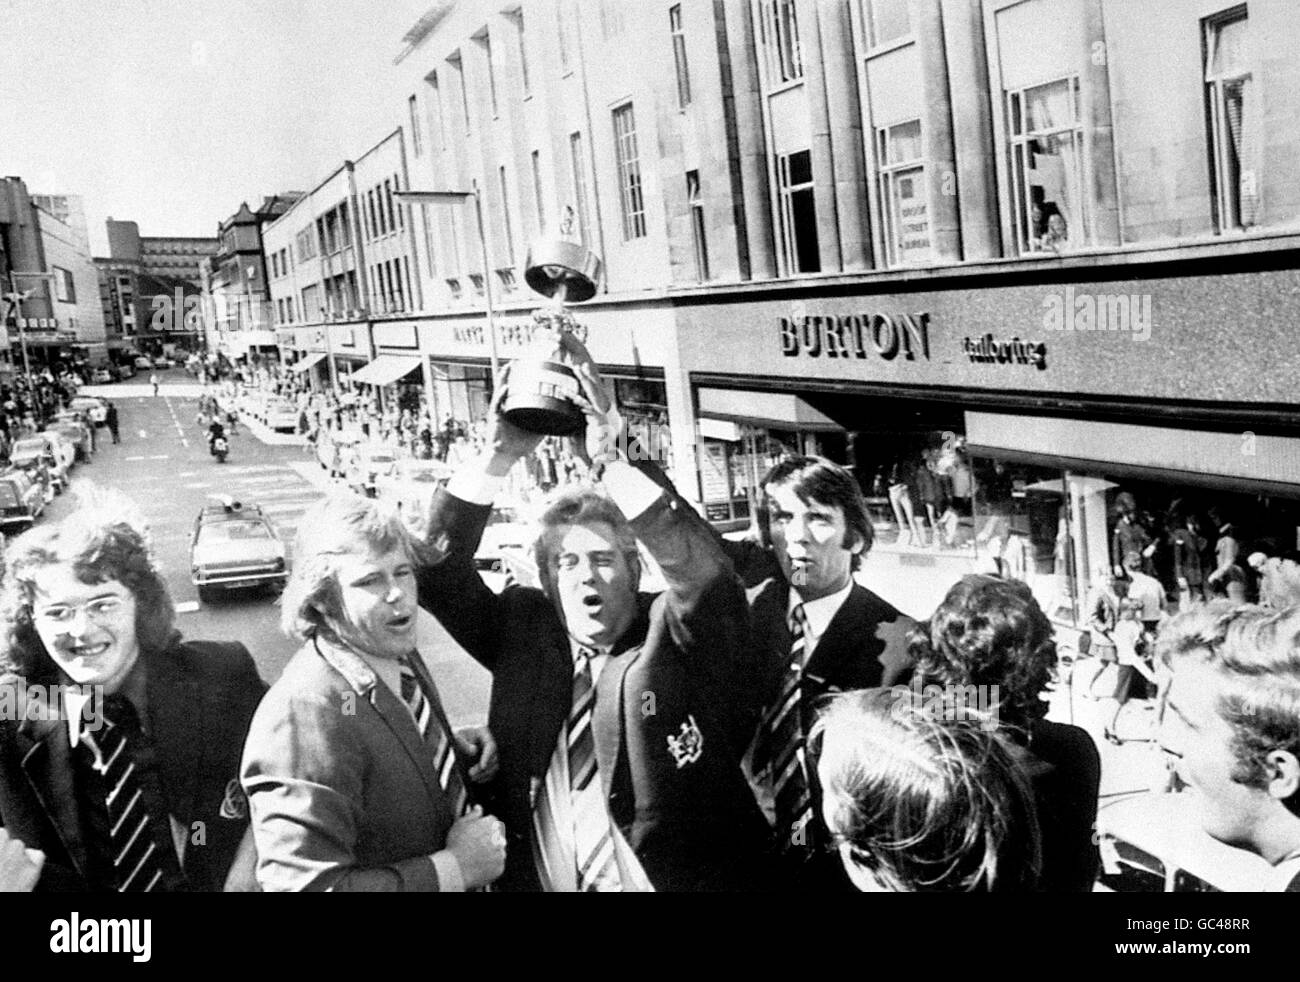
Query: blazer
[(341, 786), (667, 730), (201, 696), (864, 646)]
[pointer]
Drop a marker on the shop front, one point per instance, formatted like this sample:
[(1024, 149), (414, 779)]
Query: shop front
[(995, 419)]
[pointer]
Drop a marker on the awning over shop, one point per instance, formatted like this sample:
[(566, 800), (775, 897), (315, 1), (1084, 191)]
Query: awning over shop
[(780, 410), (306, 361), (385, 370)]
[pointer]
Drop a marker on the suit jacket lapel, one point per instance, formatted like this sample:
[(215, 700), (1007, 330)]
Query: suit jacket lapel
[(554, 697), (47, 761), (847, 638)]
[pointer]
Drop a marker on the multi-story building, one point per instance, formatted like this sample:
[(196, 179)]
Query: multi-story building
[(1059, 234), (239, 318), (343, 272), (53, 309), (151, 290)]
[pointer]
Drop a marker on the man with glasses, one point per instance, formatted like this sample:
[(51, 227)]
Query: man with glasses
[(620, 716), (120, 744), (1231, 725)]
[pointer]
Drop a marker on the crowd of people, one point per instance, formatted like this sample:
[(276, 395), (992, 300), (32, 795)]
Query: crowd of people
[(764, 722)]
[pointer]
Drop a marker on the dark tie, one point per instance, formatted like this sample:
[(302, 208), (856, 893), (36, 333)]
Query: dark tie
[(140, 849), (593, 833), (779, 754), (435, 731)]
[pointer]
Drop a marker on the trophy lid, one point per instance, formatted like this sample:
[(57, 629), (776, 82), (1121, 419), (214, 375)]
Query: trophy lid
[(559, 268)]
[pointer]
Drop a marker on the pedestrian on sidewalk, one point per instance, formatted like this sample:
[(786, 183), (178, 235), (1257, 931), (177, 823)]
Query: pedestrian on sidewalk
[(153, 380), (110, 418)]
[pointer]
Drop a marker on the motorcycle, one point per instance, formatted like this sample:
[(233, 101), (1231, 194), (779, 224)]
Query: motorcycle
[(220, 447)]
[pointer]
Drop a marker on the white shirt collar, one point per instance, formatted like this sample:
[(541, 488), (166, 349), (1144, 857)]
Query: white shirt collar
[(75, 699), (597, 660), (819, 613), (1284, 872)]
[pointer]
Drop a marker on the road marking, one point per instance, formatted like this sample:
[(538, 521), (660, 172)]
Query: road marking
[(136, 458), (198, 487), (187, 607), (158, 457)]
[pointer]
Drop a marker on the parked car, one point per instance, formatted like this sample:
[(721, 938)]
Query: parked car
[(95, 408), (125, 370), (504, 534), (21, 499), (162, 361), (370, 460), (144, 363), (76, 432), (411, 482), (281, 414), (100, 376), (235, 545), (41, 449)]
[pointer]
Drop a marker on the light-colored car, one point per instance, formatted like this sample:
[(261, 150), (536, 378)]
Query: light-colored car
[(95, 408), (71, 426), (144, 363), (370, 460), (281, 414), (410, 483), (162, 361), (55, 452), (100, 376), (21, 499), (235, 545)]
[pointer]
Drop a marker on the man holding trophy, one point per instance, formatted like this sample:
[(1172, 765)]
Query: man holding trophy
[(620, 716)]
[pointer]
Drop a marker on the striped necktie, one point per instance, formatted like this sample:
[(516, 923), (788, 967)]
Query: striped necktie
[(138, 845), (435, 731), (593, 833), (779, 754)]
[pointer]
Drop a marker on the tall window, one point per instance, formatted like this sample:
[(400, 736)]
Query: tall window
[(386, 207), (778, 34), (629, 174), (576, 158), (505, 216), (65, 290), (485, 41), (417, 145), (1232, 97), (434, 98), (566, 36), (397, 207), (903, 200), (370, 208), (679, 56), (457, 66), (887, 20), (611, 18), (1047, 166), (698, 239), (523, 52), (536, 159), (798, 213)]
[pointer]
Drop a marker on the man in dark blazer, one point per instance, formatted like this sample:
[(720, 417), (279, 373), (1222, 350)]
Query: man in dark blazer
[(819, 632), (615, 712), (99, 680)]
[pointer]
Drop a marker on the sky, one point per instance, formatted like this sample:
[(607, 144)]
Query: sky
[(170, 113)]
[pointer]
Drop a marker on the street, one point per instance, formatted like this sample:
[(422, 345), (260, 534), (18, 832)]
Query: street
[(164, 466)]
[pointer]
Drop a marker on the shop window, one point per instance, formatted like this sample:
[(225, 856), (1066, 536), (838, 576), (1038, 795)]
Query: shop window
[(698, 229), (798, 213), (1233, 102), (679, 56), (631, 195), (887, 20), (1047, 166), (904, 200), (778, 39)]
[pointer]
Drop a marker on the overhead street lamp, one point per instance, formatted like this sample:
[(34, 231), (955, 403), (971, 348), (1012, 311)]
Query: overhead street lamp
[(16, 298), (448, 197)]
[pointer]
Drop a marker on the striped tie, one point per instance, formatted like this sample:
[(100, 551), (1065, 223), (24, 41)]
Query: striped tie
[(779, 753), (593, 834), (140, 848), (435, 731)]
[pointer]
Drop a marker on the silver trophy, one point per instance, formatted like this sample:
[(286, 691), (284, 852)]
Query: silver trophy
[(542, 385)]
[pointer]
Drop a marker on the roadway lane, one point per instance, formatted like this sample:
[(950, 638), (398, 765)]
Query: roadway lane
[(163, 465)]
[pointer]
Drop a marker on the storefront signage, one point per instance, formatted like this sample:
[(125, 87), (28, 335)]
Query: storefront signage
[(510, 333), (886, 336), (988, 350)]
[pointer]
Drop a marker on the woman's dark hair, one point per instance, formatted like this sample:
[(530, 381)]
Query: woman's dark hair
[(97, 550), (990, 631)]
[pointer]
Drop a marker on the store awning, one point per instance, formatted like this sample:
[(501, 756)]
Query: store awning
[(306, 361), (385, 370), (779, 410)]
